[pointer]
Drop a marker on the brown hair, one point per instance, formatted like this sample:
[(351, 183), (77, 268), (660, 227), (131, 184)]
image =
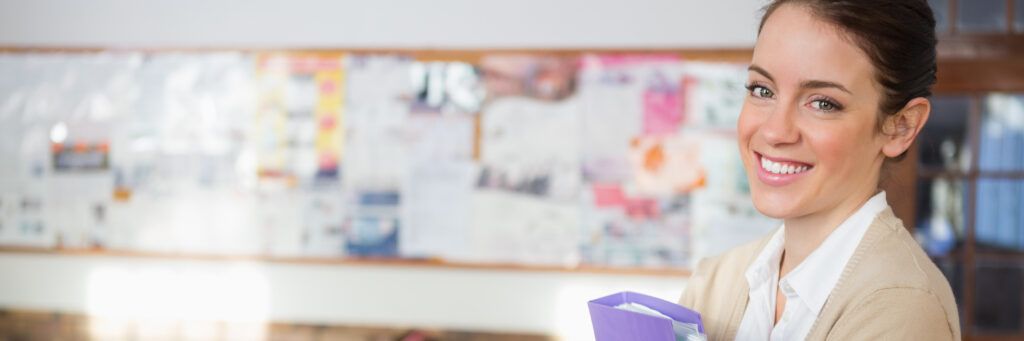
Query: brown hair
[(897, 35)]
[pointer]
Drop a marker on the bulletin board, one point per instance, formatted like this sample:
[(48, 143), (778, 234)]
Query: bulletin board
[(594, 160)]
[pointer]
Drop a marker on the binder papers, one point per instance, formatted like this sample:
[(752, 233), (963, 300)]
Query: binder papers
[(633, 316)]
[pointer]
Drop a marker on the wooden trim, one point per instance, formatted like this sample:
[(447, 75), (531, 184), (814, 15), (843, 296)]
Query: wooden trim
[(350, 261), (974, 137), (737, 55), (980, 46), (933, 173), (995, 337), (977, 76), (1000, 256), (38, 324)]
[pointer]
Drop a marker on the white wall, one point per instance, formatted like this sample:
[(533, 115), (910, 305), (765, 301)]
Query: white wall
[(146, 289), (379, 23)]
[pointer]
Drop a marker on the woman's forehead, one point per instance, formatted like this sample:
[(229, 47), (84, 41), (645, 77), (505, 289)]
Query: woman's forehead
[(796, 46)]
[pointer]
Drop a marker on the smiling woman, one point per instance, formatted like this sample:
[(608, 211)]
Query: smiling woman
[(836, 89)]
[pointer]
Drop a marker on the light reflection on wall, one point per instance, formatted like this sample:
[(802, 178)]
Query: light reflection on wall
[(572, 314), (192, 302)]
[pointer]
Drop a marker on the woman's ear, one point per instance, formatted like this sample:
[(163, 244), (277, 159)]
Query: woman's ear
[(901, 129)]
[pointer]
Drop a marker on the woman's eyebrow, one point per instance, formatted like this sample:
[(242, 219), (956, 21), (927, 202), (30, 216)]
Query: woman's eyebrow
[(809, 84), (762, 71), (816, 84)]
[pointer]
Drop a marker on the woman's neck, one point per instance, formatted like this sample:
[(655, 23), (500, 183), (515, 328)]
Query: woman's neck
[(804, 234)]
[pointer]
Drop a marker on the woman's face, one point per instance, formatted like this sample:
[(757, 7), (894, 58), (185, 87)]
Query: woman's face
[(807, 130)]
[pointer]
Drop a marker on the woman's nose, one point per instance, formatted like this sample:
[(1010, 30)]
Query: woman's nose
[(780, 126)]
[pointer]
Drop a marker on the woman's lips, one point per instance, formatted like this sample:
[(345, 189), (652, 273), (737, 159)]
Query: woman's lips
[(778, 171)]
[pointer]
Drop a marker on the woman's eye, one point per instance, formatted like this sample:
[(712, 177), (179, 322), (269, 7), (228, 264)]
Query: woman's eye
[(824, 105), (760, 91)]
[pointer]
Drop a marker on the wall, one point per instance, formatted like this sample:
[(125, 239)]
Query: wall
[(380, 23), (146, 289)]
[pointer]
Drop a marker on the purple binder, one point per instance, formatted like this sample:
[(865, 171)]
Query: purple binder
[(612, 324)]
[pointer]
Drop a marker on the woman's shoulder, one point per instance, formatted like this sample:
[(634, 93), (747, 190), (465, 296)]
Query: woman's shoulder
[(897, 313), (890, 275), (893, 259)]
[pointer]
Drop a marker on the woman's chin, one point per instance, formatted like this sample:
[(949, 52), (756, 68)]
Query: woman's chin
[(775, 205)]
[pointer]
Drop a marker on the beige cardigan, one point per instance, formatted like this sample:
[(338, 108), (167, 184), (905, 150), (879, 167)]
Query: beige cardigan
[(889, 290)]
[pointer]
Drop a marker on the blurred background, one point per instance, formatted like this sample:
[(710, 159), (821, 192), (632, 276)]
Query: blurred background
[(445, 170)]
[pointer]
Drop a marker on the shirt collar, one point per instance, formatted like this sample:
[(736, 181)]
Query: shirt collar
[(763, 269), (814, 279)]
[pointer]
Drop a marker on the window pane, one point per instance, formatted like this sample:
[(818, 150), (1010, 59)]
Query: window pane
[(942, 142), (941, 10), (1002, 133), (999, 220), (1019, 15), (940, 215), (981, 16), (998, 297)]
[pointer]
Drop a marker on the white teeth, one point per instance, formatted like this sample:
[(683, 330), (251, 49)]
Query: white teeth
[(779, 168)]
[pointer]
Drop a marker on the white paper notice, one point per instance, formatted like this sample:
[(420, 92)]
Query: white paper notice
[(435, 210)]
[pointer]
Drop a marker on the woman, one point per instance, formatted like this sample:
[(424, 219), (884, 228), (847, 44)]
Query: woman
[(836, 89)]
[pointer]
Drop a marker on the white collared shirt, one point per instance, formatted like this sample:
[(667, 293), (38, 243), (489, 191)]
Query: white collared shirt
[(807, 286)]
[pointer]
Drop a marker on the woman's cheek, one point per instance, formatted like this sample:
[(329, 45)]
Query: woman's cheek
[(747, 125)]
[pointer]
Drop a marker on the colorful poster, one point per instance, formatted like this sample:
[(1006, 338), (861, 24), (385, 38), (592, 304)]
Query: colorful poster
[(667, 165), (623, 97), (638, 231), (372, 228), (663, 107), (299, 120)]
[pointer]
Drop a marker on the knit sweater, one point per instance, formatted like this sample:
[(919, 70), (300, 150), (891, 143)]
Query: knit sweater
[(889, 290)]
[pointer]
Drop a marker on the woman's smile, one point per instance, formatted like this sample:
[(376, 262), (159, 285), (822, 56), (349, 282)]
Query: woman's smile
[(778, 171)]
